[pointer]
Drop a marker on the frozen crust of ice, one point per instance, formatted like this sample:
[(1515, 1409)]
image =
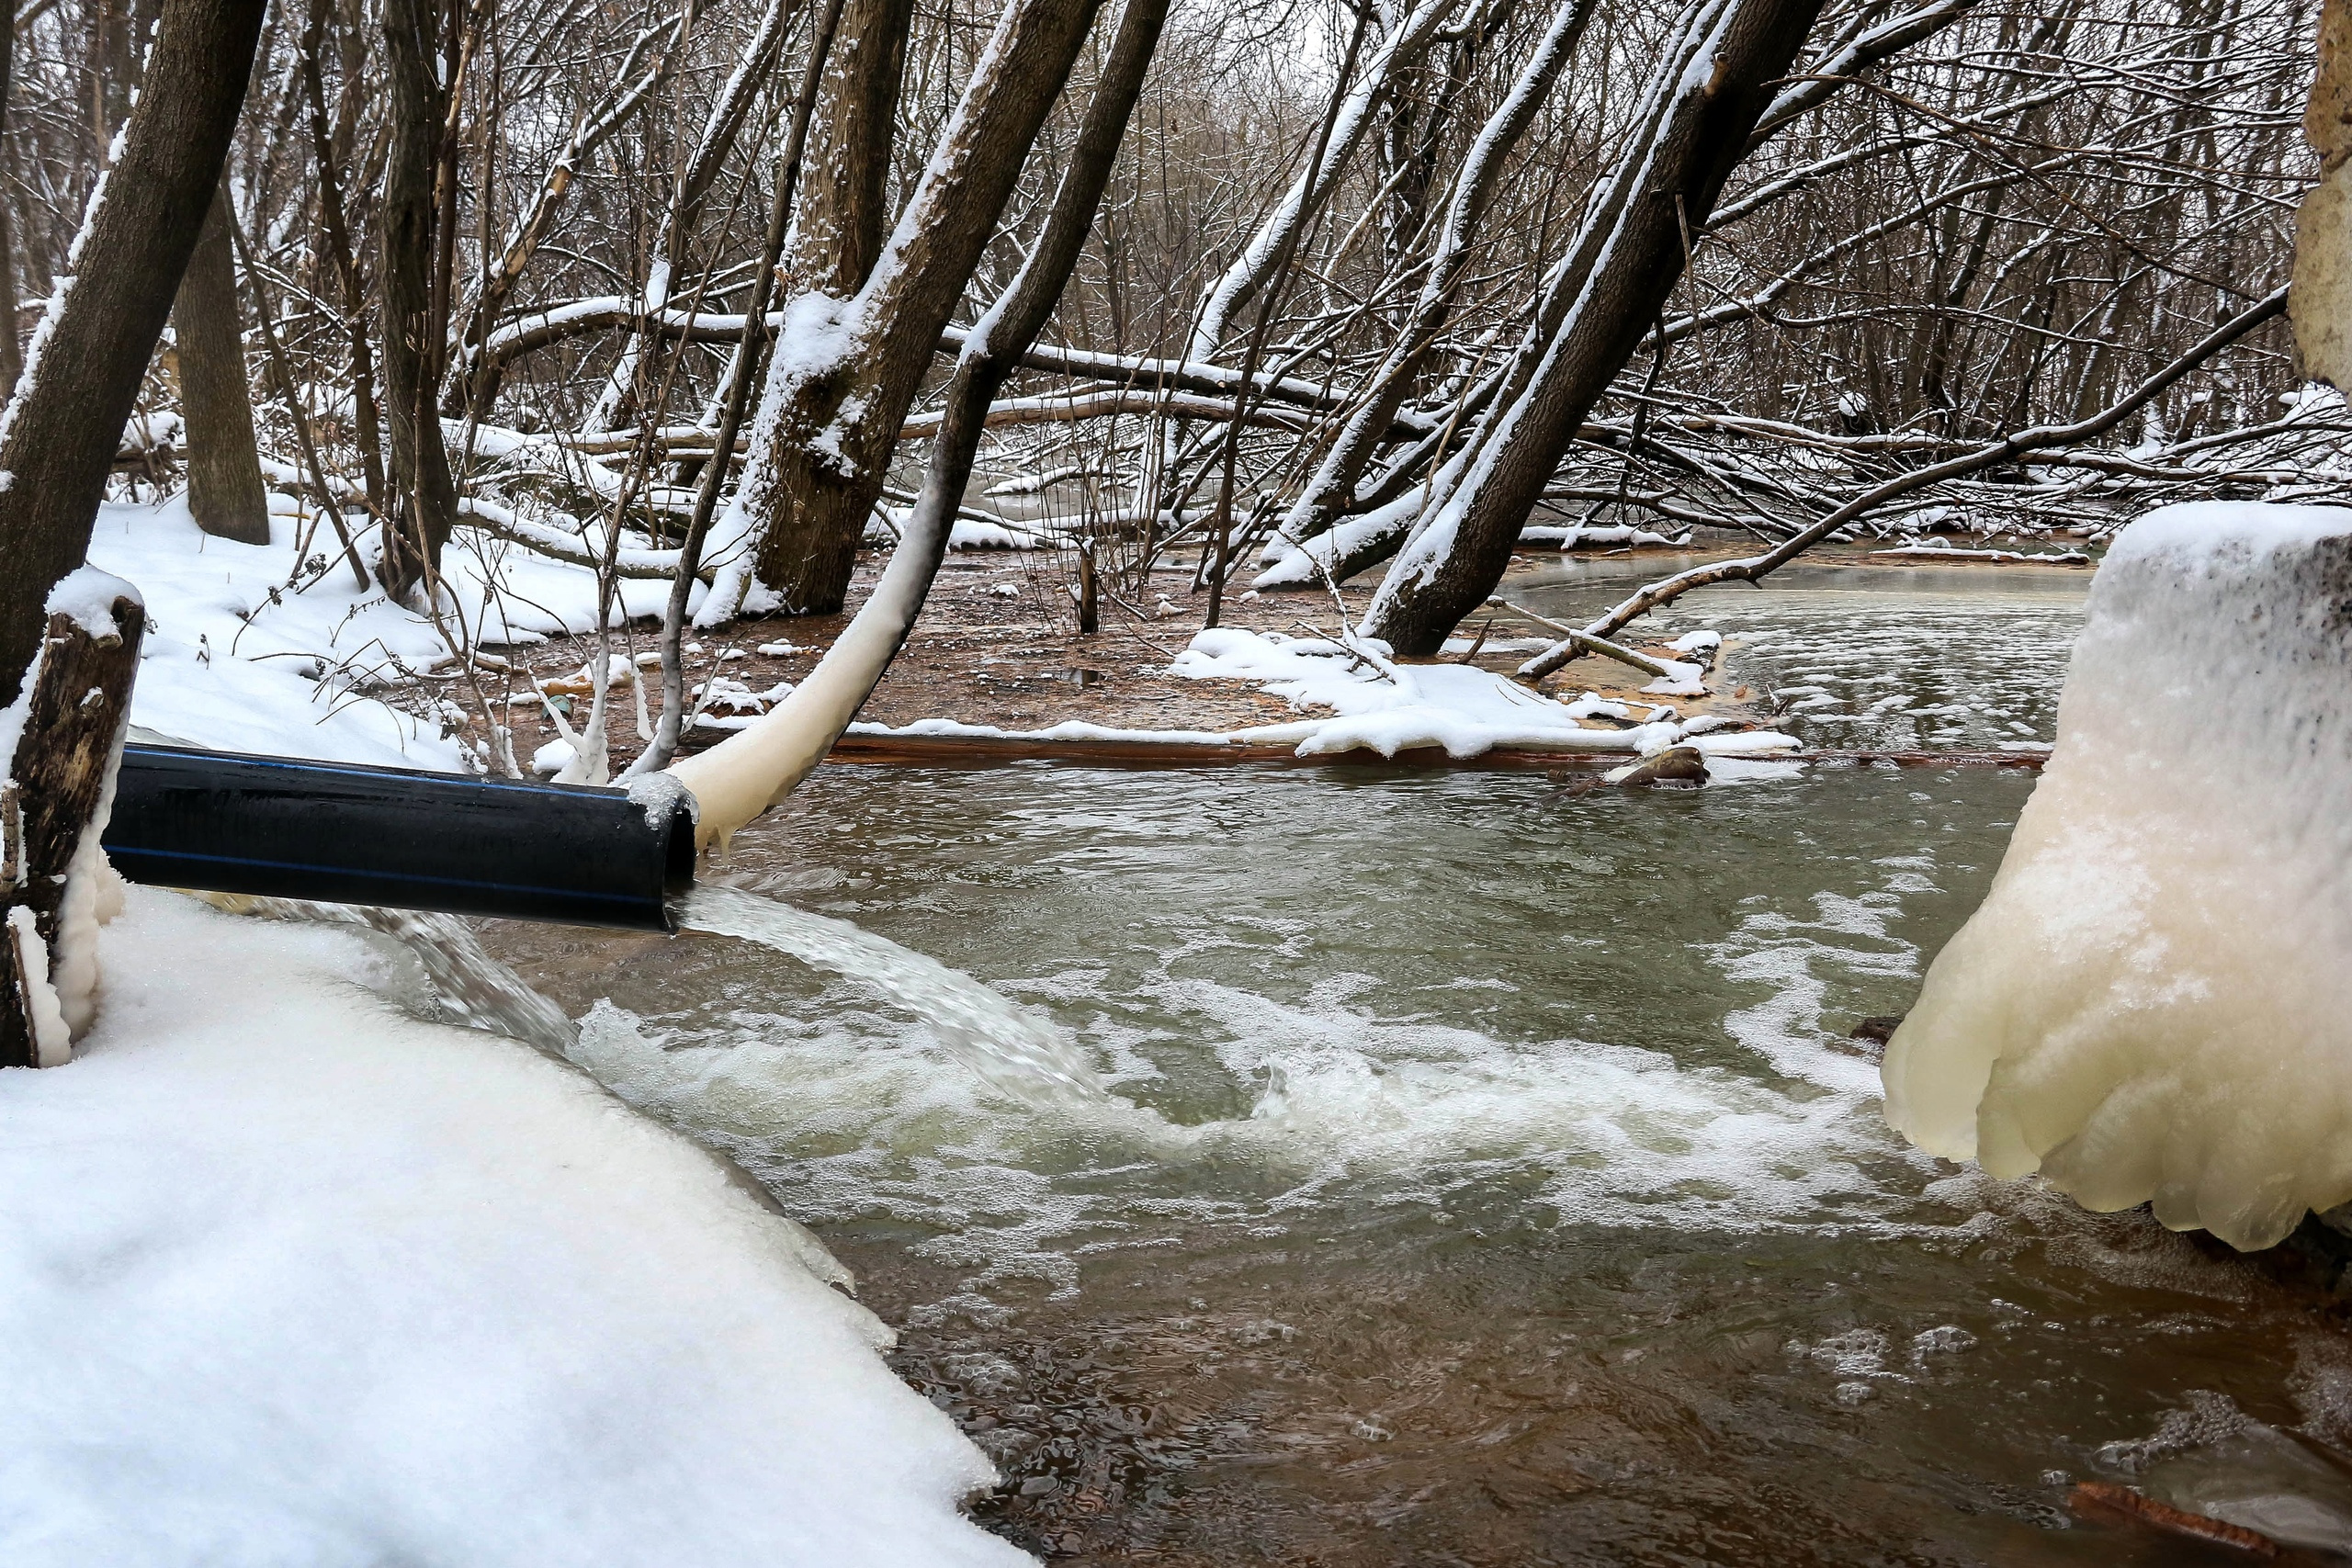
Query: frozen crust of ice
[(2154, 1002), (289, 1277)]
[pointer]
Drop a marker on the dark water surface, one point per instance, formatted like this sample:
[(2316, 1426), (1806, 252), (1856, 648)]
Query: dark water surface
[(1504, 1188), (1488, 1178)]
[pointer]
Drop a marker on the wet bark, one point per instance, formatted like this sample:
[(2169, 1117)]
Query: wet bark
[(225, 484), (423, 500), (65, 421)]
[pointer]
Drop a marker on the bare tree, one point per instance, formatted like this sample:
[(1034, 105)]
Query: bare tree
[(80, 384), (225, 486)]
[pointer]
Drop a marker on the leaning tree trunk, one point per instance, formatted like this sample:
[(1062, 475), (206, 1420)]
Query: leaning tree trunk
[(744, 774), (59, 435), (224, 488), (829, 421), (423, 501), (12, 360), (1333, 484), (1716, 84)]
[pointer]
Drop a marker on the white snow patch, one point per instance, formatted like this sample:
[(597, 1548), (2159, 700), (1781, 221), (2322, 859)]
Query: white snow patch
[(235, 659), (1383, 706), (291, 1278)]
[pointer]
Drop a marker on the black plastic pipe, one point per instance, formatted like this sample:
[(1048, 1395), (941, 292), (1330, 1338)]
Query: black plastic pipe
[(283, 828)]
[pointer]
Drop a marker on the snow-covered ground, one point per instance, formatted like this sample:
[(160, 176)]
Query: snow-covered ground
[(234, 658), (288, 1277)]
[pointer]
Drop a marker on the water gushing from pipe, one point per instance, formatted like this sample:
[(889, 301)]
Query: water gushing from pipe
[(1014, 1049)]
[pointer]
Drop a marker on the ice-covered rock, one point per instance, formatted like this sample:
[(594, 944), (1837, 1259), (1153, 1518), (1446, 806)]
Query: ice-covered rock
[(2155, 1001)]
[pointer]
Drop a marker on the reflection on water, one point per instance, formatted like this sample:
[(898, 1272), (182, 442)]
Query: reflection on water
[(1863, 658), (1487, 1177)]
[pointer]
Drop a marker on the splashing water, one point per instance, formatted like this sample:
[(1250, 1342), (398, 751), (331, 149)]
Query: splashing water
[(1015, 1050), (476, 989)]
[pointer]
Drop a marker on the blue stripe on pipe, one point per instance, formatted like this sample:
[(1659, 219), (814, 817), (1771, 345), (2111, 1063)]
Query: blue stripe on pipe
[(119, 851), (514, 785)]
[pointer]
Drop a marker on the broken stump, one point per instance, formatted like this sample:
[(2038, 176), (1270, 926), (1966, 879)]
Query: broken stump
[(74, 707)]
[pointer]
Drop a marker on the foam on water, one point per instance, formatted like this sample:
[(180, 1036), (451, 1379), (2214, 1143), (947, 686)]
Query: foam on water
[(1334, 1098)]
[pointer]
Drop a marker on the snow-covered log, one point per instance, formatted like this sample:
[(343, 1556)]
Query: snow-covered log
[(2152, 1004)]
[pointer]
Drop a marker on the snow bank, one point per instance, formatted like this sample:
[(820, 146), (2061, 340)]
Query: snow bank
[(288, 1277), (1386, 708), (235, 659), (2151, 1003)]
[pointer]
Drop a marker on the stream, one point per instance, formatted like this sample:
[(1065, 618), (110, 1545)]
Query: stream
[(1395, 1166)]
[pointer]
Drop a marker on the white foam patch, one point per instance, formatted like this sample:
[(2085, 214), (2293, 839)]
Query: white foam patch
[(288, 1277), (2151, 1005), (852, 1114)]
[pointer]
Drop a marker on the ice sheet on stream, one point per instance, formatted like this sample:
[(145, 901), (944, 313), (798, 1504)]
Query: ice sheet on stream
[(287, 1277)]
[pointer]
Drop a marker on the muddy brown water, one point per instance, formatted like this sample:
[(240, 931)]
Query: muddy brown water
[(1486, 1176)]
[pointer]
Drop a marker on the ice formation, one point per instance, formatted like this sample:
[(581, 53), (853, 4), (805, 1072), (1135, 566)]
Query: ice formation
[(289, 1276), (2154, 1002)]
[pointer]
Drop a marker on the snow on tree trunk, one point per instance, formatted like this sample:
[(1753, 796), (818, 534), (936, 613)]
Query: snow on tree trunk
[(1333, 485), (224, 487), (838, 225), (1240, 283), (64, 738), (1710, 88), (2321, 302), (2151, 1004), (81, 380), (735, 781), (844, 373)]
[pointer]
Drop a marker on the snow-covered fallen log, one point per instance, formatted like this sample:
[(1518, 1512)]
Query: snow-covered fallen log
[(1377, 704)]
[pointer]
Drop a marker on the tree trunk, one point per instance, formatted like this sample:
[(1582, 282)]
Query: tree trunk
[(829, 421), (424, 501), (838, 224), (1333, 487), (326, 160), (59, 435), (1713, 87), (742, 775), (12, 358), (224, 488)]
